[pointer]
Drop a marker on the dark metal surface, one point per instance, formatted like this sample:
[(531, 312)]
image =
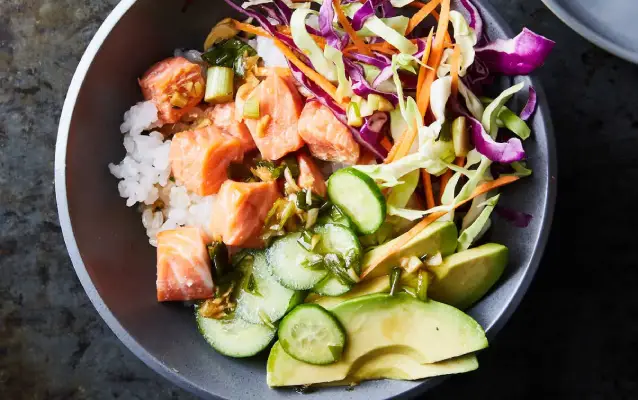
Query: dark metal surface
[(108, 246), (610, 24)]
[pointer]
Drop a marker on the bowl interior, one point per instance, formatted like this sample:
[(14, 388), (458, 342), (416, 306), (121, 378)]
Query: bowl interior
[(108, 245)]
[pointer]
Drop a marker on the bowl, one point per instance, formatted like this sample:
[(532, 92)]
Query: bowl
[(108, 246)]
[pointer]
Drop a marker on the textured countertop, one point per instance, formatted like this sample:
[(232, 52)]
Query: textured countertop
[(574, 336)]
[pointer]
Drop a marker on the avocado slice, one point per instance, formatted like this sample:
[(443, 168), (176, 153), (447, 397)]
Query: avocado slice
[(464, 278), (399, 366), (427, 332), (396, 365), (380, 284), (437, 237)]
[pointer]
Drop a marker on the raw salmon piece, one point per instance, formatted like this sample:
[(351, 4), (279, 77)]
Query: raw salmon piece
[(327, 138), (183, 265), (223, 117), (240, 211), (199, 158), (280, 105), (175, 85), (310, 177)]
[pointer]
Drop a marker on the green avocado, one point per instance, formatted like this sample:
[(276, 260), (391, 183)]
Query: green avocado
[(399, 366), (437, 237), (464, 278), (379, 324), (380, 284)]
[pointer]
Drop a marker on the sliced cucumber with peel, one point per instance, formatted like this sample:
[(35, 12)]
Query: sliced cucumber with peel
[(234, 337), (313, 335), (292, 264), (260, 297), (359, 198)]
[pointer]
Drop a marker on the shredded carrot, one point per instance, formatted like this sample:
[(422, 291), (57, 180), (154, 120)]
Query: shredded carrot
[(316, 77), (412, 233), (250, 29), (455, 63), (366, 158), (448, 39), (417, 4), (343, 20), (427, 184), (385, 142), (426, 56), (460, 161), (402, 146), (435, 58), (378, 47), (420, 15)]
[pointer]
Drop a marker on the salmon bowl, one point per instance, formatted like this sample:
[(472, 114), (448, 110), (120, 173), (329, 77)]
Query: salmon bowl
[(200, 193)]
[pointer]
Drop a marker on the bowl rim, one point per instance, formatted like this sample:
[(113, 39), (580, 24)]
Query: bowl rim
[(511, 303), (588, 32)]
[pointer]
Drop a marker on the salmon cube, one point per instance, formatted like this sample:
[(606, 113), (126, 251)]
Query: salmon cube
[(240, 211), (175, 85), (199, 158), (223, 117), (183, 265), (327, 138), (310, 177), (280, 105)]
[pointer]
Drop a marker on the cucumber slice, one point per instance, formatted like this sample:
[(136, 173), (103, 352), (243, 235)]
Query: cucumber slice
[(313, 335), (286, 258), (340, 240), (261, 299), (233, 336), (359, 197), (331, 286)]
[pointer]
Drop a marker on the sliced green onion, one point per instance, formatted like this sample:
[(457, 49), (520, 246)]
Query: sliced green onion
[(395, 280), (219, 85), (265, 319), (461, 137), (251, 107), (251, 286), (381, 103), (354, 115), (423, 281), (336, 266)]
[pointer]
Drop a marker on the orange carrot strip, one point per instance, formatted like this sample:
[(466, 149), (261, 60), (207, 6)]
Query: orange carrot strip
[(420, 15), (448, 39), (250, 29), (379, 47), (343, 20), (412, 233), (455, 63), (427, 183), (435, 58), (460, 161), (385, 142), (426, 56), (402, 147)]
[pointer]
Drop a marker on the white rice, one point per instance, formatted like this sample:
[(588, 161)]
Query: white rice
[(144, 177), (267, 50)]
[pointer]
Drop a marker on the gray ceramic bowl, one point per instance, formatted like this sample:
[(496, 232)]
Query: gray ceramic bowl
[(107, 242)]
